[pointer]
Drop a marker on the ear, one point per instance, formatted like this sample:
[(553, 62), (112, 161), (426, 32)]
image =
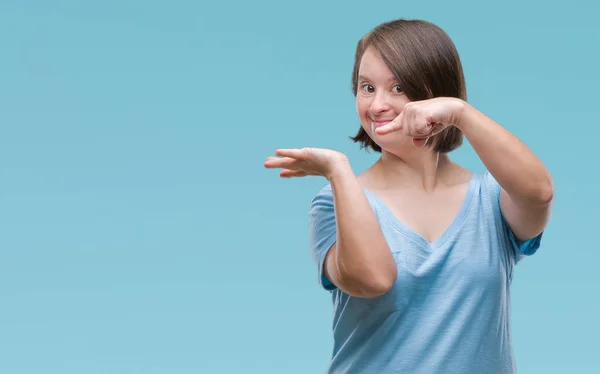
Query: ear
[(420, 143)]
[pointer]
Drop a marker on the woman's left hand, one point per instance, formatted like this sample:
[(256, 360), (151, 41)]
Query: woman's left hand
[(424, 119)]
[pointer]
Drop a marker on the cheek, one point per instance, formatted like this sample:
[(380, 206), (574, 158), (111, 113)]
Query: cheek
[(362, 107), (402, 101)]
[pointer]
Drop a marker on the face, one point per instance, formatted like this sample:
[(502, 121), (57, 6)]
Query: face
[(379, 100)]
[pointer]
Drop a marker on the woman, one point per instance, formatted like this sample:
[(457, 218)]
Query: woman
[(417, 252)]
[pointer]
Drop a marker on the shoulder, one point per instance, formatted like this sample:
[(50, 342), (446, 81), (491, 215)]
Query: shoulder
[(325, 193), (489, 180), (490, 187), (323, 203), (485, 190), (323, 196), (321, 208)]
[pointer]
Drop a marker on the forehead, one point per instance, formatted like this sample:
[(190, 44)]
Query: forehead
[(373, 67)]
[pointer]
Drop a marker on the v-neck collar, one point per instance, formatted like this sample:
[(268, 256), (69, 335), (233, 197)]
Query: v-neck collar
[(454, 225)]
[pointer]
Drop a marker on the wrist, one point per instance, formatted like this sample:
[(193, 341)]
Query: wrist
[(462, 114), (340, 168)]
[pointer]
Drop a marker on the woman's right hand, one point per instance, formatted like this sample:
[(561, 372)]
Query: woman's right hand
[(307, 161)]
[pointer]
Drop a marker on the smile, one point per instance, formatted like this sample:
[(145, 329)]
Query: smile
[(380, 123), (377, 124)]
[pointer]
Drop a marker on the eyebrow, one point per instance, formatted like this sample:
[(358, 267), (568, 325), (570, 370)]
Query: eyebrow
[(364, 78)]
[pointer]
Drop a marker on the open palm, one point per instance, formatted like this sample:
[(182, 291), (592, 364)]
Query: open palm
[(301, 162)]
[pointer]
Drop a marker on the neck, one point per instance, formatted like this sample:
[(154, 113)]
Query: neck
[(423, 170)]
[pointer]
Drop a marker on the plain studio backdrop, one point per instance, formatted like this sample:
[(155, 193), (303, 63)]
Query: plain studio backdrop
[(139, 231)]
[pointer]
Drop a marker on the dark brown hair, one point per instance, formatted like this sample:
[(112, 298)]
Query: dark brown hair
[(426, 64)]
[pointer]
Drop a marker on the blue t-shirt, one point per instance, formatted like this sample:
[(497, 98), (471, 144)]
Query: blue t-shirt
[(449, 310)]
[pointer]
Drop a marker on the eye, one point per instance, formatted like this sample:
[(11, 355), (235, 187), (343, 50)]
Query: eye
[(368, 88), (397, 89)]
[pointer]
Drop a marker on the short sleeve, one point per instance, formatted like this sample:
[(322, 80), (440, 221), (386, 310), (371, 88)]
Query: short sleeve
[(322, 231), (519, 248)]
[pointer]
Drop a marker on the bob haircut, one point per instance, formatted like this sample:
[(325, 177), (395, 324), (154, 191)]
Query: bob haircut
[(426, 64)]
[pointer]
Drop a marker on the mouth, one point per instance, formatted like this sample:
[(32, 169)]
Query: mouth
[(377, 124), (381, 122)]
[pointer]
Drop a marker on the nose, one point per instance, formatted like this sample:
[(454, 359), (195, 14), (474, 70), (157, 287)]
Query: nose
[(380, 103)]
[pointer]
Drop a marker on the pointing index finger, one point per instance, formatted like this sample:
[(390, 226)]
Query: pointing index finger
[(392, 126)]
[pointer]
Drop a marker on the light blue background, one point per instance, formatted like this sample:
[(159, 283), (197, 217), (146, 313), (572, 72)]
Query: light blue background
[(139, 231)]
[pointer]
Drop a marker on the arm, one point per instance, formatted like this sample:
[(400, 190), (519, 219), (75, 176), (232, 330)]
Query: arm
[(360, 263), (527, 188)]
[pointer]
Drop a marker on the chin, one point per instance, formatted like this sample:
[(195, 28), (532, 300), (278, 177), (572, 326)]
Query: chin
[(391, 142), (400, 146)]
